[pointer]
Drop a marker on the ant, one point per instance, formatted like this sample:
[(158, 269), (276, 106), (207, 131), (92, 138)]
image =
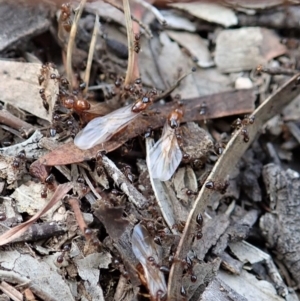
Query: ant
[(72, 102), (45, 102), (179, 226), (137, 47), (19, 159), (199, 221), (49, 184), (128, 174), (60, 258), (65, 16), (238, 123), (217, 186), (44, 70)]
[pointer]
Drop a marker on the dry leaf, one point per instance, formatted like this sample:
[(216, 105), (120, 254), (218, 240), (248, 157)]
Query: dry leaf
[(197, 46), (211, 12), (245, 48)]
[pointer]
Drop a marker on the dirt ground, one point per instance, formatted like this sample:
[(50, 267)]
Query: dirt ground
[(149, 150)]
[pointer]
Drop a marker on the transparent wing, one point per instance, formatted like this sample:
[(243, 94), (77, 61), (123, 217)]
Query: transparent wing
[(101, 129), (144, 247), (165, 156)]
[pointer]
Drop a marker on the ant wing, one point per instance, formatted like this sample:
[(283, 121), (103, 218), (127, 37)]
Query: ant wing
[(143, 248), (165, 156), (101, 129)]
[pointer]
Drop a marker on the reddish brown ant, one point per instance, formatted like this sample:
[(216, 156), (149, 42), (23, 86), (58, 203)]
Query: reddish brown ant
[(45, 102), (218, 186), (137, 47), (19, 159), (179, 226), (75, 103), (49, 184), (65, 15), (101, 129), (244, 132), (44, 70), (190, 192), (219, 148), (238, 123), (199, 221), (60, 258)]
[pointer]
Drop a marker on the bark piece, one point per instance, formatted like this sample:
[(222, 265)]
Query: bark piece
[(219, 290), (249, 287), (281, 227), (38, 273)]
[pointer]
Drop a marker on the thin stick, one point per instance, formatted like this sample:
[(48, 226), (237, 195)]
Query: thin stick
[(123, 183), (97, 195), (74, 203), (12, 121), (72, 41), (146, 28), (91, 53), (171, 89), (130, 67)]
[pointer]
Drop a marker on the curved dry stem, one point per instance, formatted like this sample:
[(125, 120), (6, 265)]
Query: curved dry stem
[(230, 157), (91, 53), (74, 203), (130, 67), (71, 42)]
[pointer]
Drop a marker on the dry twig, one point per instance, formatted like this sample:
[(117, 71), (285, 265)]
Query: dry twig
[(91, 53), (131, 53), (71, 42)]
